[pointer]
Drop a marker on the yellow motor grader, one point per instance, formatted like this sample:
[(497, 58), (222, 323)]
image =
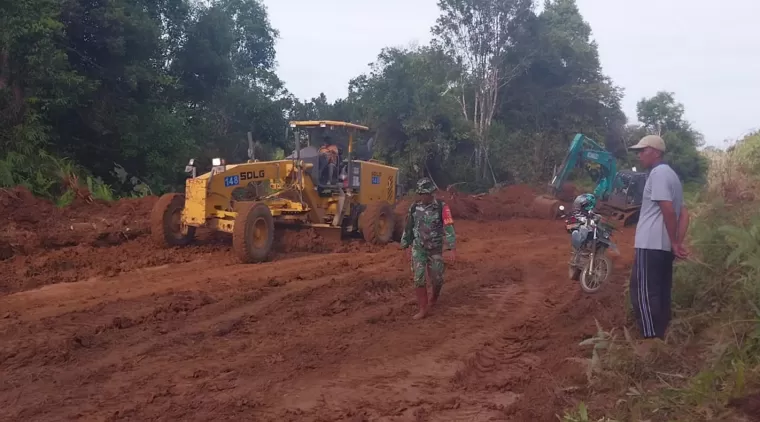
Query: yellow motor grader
[(355, 196)]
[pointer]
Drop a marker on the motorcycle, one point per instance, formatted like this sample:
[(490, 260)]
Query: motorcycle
[(590, 239)]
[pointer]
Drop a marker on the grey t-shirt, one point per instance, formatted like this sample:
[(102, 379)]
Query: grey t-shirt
[(662, 184)]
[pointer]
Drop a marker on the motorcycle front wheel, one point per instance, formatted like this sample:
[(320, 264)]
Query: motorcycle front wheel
[(591, 282)]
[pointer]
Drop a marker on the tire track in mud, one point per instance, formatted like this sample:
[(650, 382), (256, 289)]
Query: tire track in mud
[(86, 348), (130, 310), (501, 301), (501, 362), (529, 359), (326, 337), (217, 320)]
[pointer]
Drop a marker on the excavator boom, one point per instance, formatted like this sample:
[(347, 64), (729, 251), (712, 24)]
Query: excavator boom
[(584, 149), (619, 193)]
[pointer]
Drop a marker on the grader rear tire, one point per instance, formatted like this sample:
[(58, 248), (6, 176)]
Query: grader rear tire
[(166, 221), (376, 223), (253, 234)]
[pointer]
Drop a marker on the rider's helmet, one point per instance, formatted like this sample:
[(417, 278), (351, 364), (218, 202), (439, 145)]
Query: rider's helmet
[(425, 186), (584, 202)]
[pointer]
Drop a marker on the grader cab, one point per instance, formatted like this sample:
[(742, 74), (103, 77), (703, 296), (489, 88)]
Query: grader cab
[(322, 185)]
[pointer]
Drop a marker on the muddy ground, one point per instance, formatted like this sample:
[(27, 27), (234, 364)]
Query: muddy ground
[(96, 323)]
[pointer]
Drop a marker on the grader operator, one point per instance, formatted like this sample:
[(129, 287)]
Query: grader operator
[(359, 202), (329, 156)]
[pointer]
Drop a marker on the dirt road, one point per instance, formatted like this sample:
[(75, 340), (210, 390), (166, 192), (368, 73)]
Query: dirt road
[(307, 337)]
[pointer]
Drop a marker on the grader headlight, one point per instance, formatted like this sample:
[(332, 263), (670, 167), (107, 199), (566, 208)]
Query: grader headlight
[(190, 167), (218, 166)]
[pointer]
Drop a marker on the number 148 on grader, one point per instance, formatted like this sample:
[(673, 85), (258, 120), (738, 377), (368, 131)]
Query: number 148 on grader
[(325, 185)]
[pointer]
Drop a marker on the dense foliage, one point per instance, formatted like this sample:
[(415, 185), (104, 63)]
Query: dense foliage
[(125, 91)]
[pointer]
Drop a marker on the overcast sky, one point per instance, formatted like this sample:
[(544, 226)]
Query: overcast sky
[(709, 56)]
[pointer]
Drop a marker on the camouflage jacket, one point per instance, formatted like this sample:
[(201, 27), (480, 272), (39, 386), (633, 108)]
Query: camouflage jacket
[(428, 225)]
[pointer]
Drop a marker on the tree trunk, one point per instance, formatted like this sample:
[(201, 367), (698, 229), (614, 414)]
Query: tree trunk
[(4, 68), (16, 105), (485, 163)]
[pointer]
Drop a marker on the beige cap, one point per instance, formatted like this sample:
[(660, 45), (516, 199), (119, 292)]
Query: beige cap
[(650, 141)]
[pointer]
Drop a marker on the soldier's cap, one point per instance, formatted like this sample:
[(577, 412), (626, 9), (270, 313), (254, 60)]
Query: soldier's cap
[(650, 141), (425, 185)]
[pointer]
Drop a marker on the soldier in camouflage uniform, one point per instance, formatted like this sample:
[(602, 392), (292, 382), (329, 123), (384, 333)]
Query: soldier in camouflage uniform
[(428, 226)]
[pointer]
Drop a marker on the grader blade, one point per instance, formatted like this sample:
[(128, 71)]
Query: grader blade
[(328, 232)]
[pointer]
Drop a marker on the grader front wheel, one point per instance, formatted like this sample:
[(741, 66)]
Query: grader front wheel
[(376, 223), (253, 234), (166, 221)]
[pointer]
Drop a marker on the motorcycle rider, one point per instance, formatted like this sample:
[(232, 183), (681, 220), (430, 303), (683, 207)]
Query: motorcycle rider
[(583, 204)]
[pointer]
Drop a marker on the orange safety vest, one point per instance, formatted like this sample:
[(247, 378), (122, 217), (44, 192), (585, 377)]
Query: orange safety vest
[(332, 153)]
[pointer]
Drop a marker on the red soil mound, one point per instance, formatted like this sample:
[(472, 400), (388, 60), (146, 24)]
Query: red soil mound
[(30, 223), (42, 244), (499, 204)]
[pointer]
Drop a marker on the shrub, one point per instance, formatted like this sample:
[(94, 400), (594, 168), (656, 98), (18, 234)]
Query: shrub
[(47, 176)]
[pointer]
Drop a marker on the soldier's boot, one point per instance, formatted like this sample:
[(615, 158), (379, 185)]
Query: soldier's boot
[(422, 301), (435, 294), (435, 275)]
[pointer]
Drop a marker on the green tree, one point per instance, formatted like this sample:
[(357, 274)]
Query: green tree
[(145, 84), (35, 80), (319, 108), (407, 99), (563, 92), (480, 35), (128, 118), (226, 70), (663, 115)]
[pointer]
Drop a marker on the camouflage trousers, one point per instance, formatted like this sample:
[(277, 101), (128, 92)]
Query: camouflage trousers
[(430, 260)]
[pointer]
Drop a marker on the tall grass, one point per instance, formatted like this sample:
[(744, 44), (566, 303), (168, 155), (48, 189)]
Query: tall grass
[(712, 353)]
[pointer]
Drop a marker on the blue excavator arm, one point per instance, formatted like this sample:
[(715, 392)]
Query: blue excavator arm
[(584, 149)]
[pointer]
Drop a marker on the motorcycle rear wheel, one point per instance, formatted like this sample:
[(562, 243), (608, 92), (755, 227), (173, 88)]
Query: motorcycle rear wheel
[(592, 282)]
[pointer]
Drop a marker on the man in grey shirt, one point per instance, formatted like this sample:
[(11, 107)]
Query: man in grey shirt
[(660, 232)]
